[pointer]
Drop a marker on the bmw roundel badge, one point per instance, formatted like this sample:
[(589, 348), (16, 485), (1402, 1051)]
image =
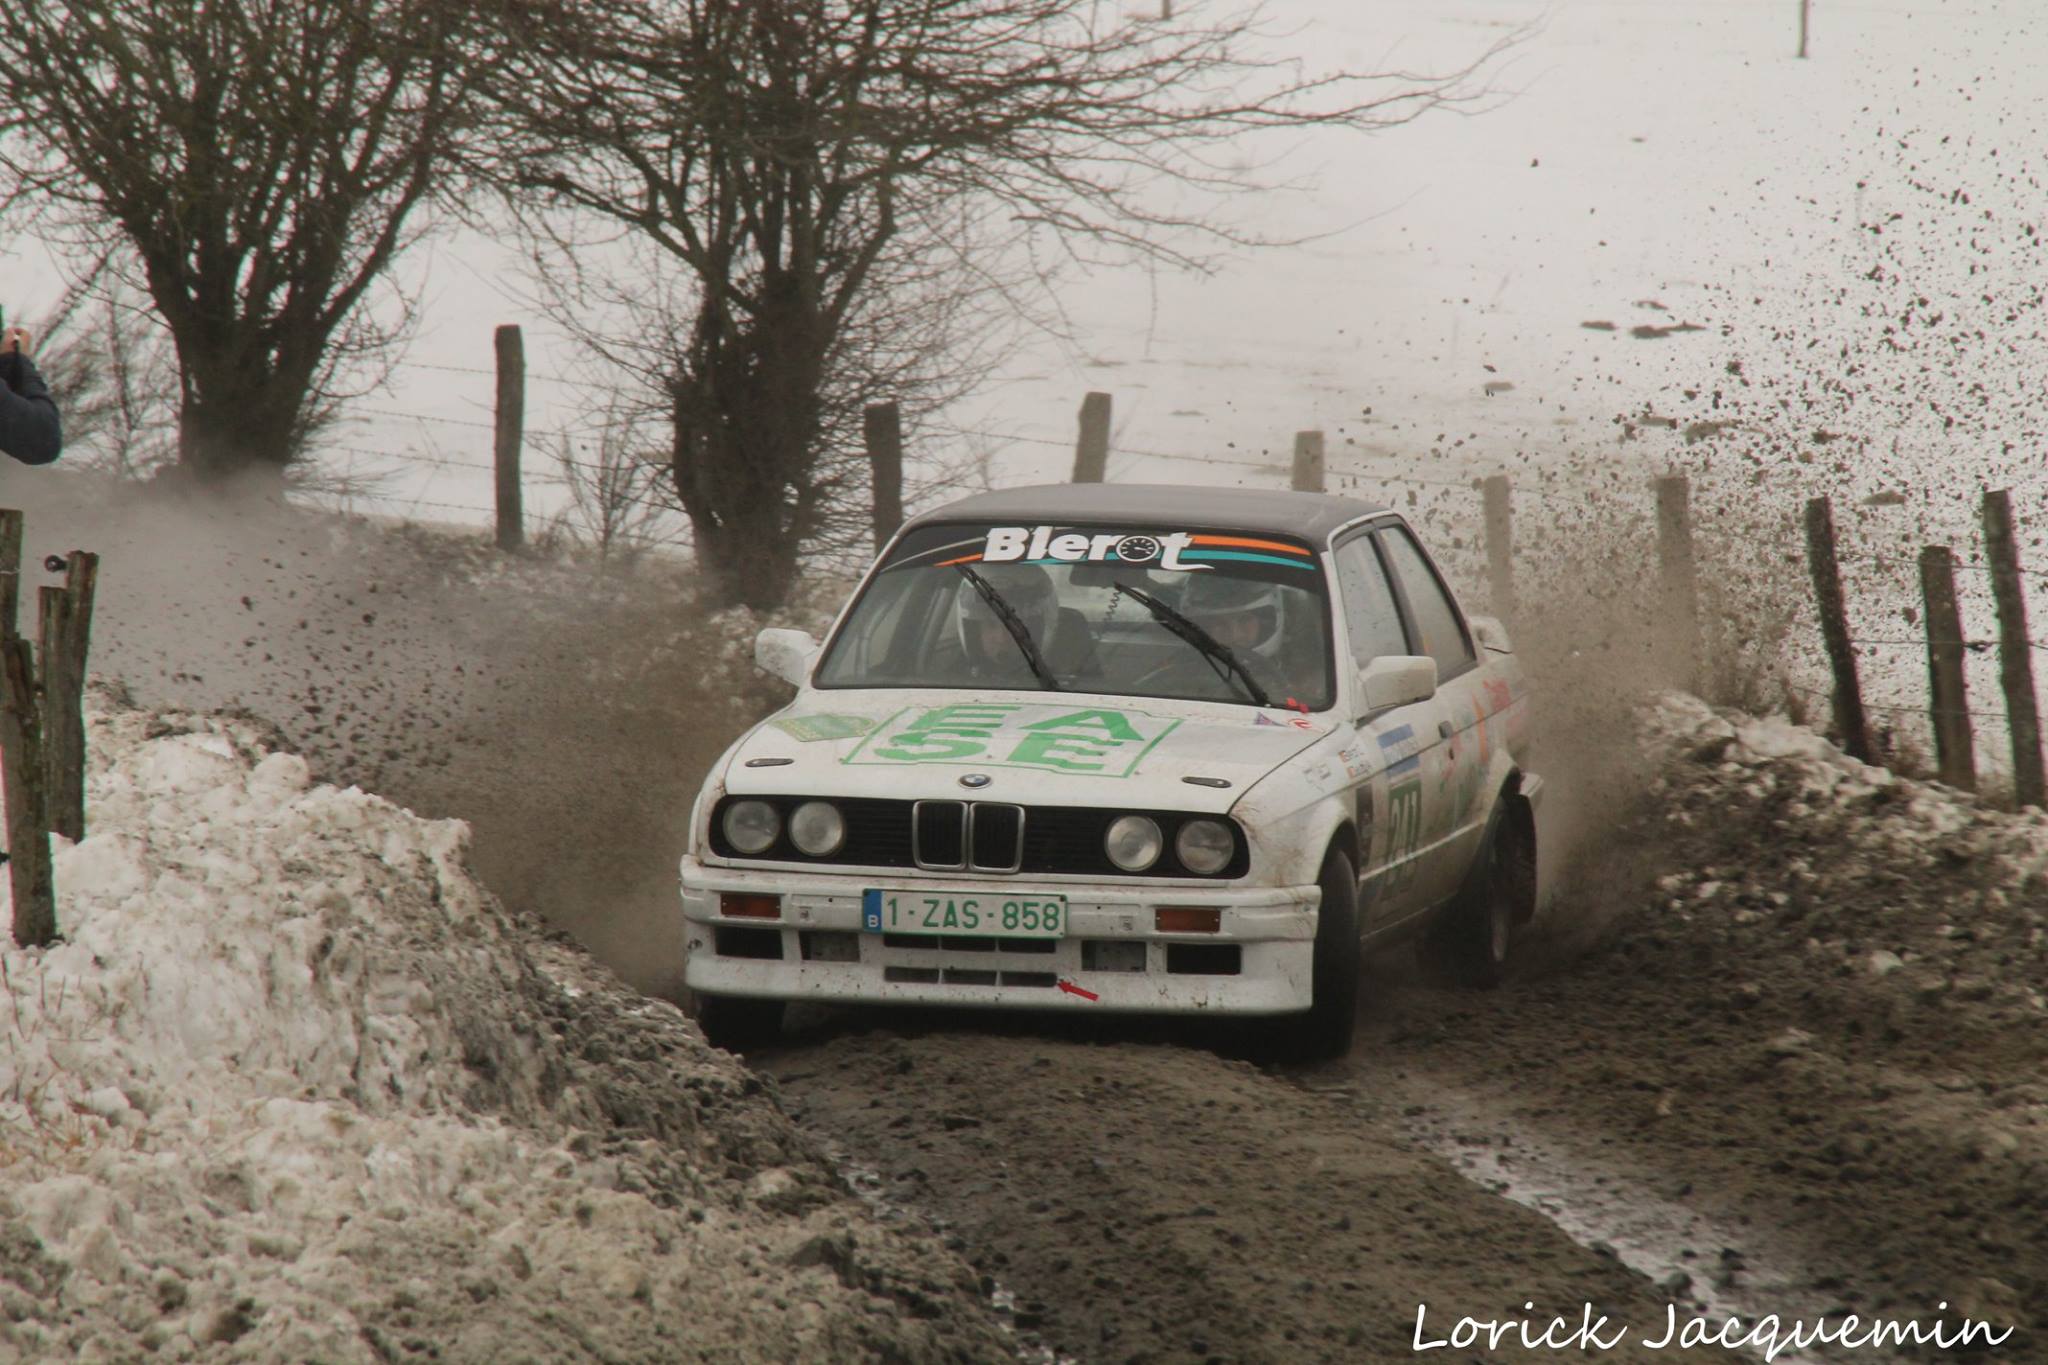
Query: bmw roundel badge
[(974, 779)]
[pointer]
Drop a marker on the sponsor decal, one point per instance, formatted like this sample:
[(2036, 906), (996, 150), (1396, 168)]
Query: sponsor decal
[(1399, 747), (1095, 742), (1404, 804), (809, 729), (1352, 756), (1179, 551)]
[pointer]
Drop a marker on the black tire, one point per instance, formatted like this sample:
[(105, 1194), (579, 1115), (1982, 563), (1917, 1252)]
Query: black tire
[(1324, 1030), (734, 1022), (1472, 942)]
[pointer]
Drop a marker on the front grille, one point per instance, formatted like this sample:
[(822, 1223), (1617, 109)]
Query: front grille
[(938, 836), (997, 834), (978, 836), (972, 836)]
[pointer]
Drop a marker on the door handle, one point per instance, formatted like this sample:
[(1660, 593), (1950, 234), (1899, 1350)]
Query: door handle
[(1443, 729)]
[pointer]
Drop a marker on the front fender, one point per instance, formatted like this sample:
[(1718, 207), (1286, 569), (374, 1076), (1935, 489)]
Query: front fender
[(697, 838), (1292, 815)]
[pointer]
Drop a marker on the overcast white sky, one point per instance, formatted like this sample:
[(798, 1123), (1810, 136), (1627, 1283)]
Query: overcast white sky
[(1650, 150)]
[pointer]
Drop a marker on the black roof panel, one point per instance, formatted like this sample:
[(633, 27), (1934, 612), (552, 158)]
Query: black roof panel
[(1311, 516)]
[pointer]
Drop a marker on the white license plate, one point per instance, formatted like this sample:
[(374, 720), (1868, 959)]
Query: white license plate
[(954, 913)]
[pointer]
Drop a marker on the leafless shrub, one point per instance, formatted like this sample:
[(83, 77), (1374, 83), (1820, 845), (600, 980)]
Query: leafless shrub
[(829, 191)]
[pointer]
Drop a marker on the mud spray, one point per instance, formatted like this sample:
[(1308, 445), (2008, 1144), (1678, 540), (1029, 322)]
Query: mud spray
[(567, 715)]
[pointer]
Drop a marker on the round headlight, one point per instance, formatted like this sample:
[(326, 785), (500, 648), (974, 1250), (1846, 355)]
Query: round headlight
[(751, 826), (1204, 847), (1133, 842), (817, 828)]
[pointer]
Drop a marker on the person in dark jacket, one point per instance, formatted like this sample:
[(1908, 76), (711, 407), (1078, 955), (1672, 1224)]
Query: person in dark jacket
[(29, 428)]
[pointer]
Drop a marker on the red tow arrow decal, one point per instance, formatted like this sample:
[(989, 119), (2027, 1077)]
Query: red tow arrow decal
[(1071, 989)]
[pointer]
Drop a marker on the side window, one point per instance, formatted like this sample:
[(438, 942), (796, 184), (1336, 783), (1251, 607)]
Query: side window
[(1370, 616), (1436, 620)]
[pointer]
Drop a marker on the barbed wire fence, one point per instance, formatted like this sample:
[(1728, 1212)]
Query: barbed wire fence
[(1448, 489)]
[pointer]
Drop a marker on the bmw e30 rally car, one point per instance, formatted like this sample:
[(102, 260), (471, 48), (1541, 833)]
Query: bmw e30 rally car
[(1118, 747)]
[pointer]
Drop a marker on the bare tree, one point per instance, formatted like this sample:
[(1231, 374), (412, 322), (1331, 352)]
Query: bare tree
[(911, 336), (264, 162), (109, 364), (614, 502), (796, 159)]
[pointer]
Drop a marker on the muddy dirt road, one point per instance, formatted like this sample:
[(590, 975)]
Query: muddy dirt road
[(1803, 1076)]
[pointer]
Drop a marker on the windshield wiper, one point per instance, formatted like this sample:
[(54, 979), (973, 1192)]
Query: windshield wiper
[(1013, 623), (1217, 653)]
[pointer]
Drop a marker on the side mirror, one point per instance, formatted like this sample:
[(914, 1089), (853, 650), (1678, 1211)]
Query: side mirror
[(1397, 680), (788, 654), (1491, 634)]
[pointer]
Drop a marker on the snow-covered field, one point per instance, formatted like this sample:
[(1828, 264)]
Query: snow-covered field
[(295, 1087)]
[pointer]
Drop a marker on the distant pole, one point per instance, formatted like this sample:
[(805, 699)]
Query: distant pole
[(1500, 563), (1954, 749), (1678, 578), (882, 428), (2015, 654), (511, 434), (1804, 7), (1091, 451), (1850, 721), (1308, 462)]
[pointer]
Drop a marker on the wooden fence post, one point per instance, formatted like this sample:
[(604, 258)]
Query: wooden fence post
[(1500, 561), (1850, 722), (882, 430), (1950, 709), (10, 571), (510, 434), (21, 771), (42, 726), (62, 656), (1678, 590), (2015, 653), (1308, 462), (1091, 451)]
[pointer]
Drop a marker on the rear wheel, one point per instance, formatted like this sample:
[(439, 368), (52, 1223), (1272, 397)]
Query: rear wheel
[(734, 1022), (1472, 941), (1325, 1029)]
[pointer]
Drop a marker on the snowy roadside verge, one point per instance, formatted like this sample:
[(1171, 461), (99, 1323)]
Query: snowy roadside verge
[(1927, 890), (1849, 971), (296, 1087)]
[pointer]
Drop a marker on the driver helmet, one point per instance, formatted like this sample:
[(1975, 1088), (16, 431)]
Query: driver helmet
[(1245, 614), (1029, 591)]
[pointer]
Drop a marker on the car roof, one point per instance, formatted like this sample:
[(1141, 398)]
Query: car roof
[(1311, 516)]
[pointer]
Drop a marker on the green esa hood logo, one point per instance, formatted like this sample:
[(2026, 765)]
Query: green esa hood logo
[(1097, 741)]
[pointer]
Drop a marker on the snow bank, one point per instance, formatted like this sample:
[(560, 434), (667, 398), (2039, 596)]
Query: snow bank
[(1920, 887), (295, 1087), (1889, 814)]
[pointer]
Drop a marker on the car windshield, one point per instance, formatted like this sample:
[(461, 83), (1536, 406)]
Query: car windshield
[(1201, 614)]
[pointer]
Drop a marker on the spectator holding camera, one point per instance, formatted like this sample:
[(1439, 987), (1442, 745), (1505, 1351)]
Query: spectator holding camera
[(29, 429)]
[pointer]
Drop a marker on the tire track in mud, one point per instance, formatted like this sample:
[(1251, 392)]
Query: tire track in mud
[(1152, 1201)]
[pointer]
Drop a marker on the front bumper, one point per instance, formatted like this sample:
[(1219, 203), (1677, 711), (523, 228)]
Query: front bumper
[(1258, 962)]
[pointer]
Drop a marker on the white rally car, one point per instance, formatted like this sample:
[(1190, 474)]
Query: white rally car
[(1118, 747)]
